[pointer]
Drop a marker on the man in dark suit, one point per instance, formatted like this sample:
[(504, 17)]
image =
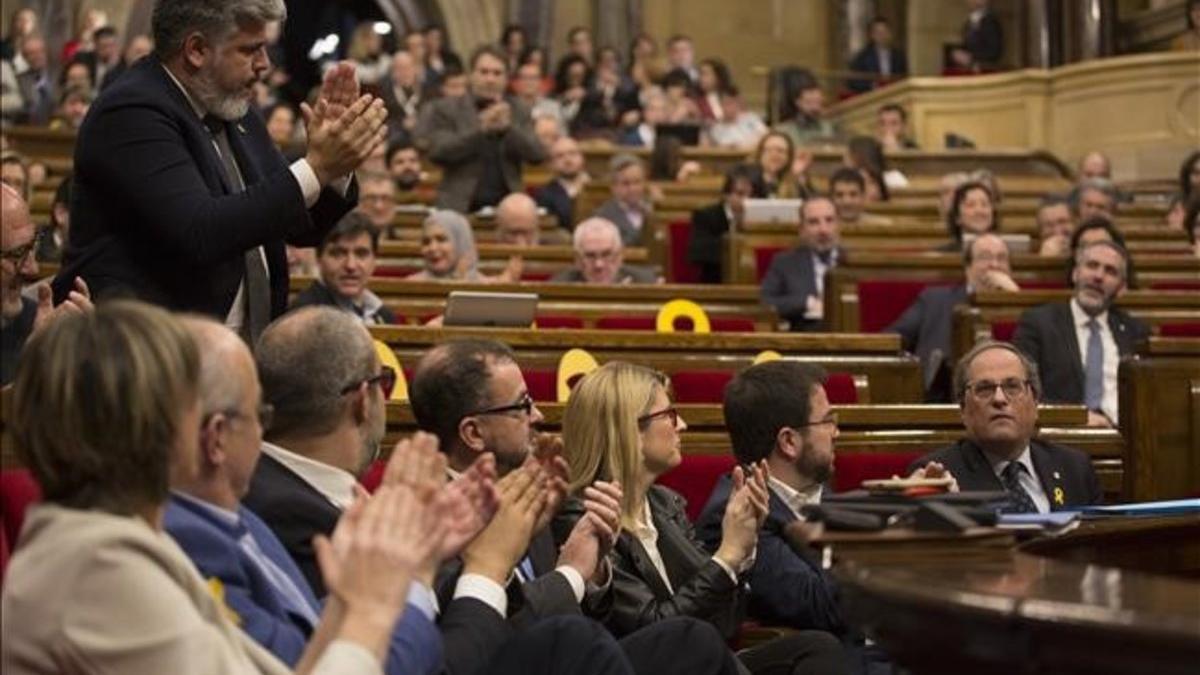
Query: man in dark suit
[(229, 544), (600, 257), (1078, 344), (37, 88), (628, 208), (402, 94), (982, 38), (346, 261), (181, 198), (472, 395), (878, 58), (104, 58), (795, 282), (558, 196), (998, 390), (711, 223), (480, 140), (924, 327)]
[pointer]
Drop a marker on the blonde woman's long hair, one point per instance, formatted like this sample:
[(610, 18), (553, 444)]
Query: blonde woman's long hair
[(601, 437)]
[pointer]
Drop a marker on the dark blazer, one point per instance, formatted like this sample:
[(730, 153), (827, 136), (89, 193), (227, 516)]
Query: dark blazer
[(702, 588), (596, 112), (451, 128), (612, 211), (319, 294), (789, 587), (789, 281), (38, 107), (626, 274), (925, 330), (153, 215), (1046, 334), (554, 198), (709, 226), (985, 41), (397, 112), (1058, 468), (867, 61)]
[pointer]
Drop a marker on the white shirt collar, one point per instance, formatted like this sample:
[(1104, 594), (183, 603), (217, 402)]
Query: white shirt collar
[(225, 515), (196, 107), (1081, 317), (999, 463), (793, 498), (336, 485)]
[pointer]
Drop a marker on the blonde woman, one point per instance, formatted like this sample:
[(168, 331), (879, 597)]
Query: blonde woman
[(620, 425)]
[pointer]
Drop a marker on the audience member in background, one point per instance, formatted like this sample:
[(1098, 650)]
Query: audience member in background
[(1191, 224), (1078, 344), (847, 189), (1189, 177), (547, 129), (403, 95), (972, 211), (795, 282), (571, 81), (644, 63), (620, 425), (1189, 40), (53, 240), (579, 43), (512, 43), (738, 128), (559, 195), (453, 83), (679, 106), (449, 252), (104, 58), (38, 174), (711, 223), (1055, 225), (346, 261), (998, 390), (438, 55), (628, 208), (946, 187), (606, 104), (527, 86), (233, 547), (600, 257), (668, 164), (22, 23), (137, 47), (404, 165), (714, 84), (73, 106), (480, 140), (14, 172), (88, 20), (37, 88), (982, 39), (804, 115), (12, 105), (681, 55), (75, 75), (925, 327), (22, 316), (536, 55), (1094, 164), (774, 162), (644, 133), (94, 549), (377, 199), (518, 223), (281, 127), (366, 53), (1090, 231), (878, 58), (865, 155), (891, 128), (1094, 197)]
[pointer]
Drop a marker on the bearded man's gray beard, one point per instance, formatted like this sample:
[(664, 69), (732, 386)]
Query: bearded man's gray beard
[(223, 106)]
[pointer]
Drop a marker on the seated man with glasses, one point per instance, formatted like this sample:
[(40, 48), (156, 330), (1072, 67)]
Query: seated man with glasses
[(998, 390), (600, 256)]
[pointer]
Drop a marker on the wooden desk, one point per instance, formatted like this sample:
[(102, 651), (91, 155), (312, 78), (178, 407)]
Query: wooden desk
[(1159, 396)]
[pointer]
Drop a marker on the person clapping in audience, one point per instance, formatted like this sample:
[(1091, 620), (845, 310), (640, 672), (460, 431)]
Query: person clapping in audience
[(620, 425), (346, 260), (449, 252)]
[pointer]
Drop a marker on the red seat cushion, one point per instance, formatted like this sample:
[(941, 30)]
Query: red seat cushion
[(625, 323), (679, 237), (551, 321), (542, 383), (851, 469), (1188, 329), (1003, 330), (731, 324), (18, 490), (1176, 285), (839, 387), (882, 301), (724, 324), (762, 260), (700, 386), (695, 478)]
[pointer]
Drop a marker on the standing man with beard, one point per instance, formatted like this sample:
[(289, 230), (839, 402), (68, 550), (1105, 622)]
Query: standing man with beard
[(180, 196)]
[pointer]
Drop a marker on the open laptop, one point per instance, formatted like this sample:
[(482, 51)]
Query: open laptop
[(773, 211), (472, 308)]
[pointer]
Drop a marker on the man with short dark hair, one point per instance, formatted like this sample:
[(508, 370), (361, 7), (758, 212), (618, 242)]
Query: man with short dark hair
[(848, 190), (681, 55), (570, 177), (998, 390), (346, 260), (710, 224), (377, 199), (925, 327), (891, 128), (628, 208), (480, 140), (1094, 197), (36, 86), (1078, 344), (879, 58), (1055, 225), (795, 282)]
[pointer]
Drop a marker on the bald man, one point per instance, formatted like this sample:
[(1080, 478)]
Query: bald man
[(21, 317), (518, 223)]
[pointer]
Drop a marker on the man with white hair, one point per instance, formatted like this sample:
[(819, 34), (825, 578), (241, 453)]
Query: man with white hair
[(402, 95), (600, 257), (179, 195)]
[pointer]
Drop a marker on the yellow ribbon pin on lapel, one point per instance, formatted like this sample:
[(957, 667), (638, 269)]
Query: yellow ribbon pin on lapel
[(1059, 497)]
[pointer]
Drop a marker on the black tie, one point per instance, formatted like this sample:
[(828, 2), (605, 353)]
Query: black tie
[(1019, 499), (258, 287)]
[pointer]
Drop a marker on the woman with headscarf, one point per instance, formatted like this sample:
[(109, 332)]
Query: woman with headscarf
[(449, 252)]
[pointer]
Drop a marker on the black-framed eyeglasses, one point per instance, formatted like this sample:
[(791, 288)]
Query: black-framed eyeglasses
[(831, 418), (265, 412), (386, 379), (985, 390), (524, 405), (17, 255), (670, 413)]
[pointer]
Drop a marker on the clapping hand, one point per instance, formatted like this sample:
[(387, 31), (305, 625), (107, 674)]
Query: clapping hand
[(78, 301)]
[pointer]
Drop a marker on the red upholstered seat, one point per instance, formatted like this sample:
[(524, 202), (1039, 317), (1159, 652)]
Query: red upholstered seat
[(731, 324), (695, 478), (625, 323), (882, 301), (724, 324), (839, 387), (679, 236), (551, 321), (1003, 330), (851, 469), (1187, 329), (18, 490), (708, 386), (762, 260), (395, 270), (543, 384), (1177, 285)]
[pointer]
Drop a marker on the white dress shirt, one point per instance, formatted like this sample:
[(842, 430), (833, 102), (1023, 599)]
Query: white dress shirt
[(1112, 357), (1028, 478), (793, 498), (647, 534)]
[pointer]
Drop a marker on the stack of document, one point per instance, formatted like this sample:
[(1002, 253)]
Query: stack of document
[(1055, 522), (1173, 507)]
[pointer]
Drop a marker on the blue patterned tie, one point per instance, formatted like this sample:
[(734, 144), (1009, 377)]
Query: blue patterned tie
[(1019, 499), (1093, 389)]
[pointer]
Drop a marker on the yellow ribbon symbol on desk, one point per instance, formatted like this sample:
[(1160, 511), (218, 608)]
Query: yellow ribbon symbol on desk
[(1059, 498)]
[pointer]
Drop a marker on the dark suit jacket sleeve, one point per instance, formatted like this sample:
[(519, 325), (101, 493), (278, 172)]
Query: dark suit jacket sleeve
[(450, 141), (520, 143), (788, 588), (708, 226), (908, 326), (471, 634), (1029, 337), (791, 303), (140, 155)]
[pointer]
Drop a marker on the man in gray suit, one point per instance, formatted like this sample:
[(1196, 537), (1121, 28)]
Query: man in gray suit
[(480, 139), (628, 208), (795, 281), (924, 327)]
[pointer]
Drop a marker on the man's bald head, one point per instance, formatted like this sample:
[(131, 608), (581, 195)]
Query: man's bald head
[(517, 220), (1095, 165), (223, 361)]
